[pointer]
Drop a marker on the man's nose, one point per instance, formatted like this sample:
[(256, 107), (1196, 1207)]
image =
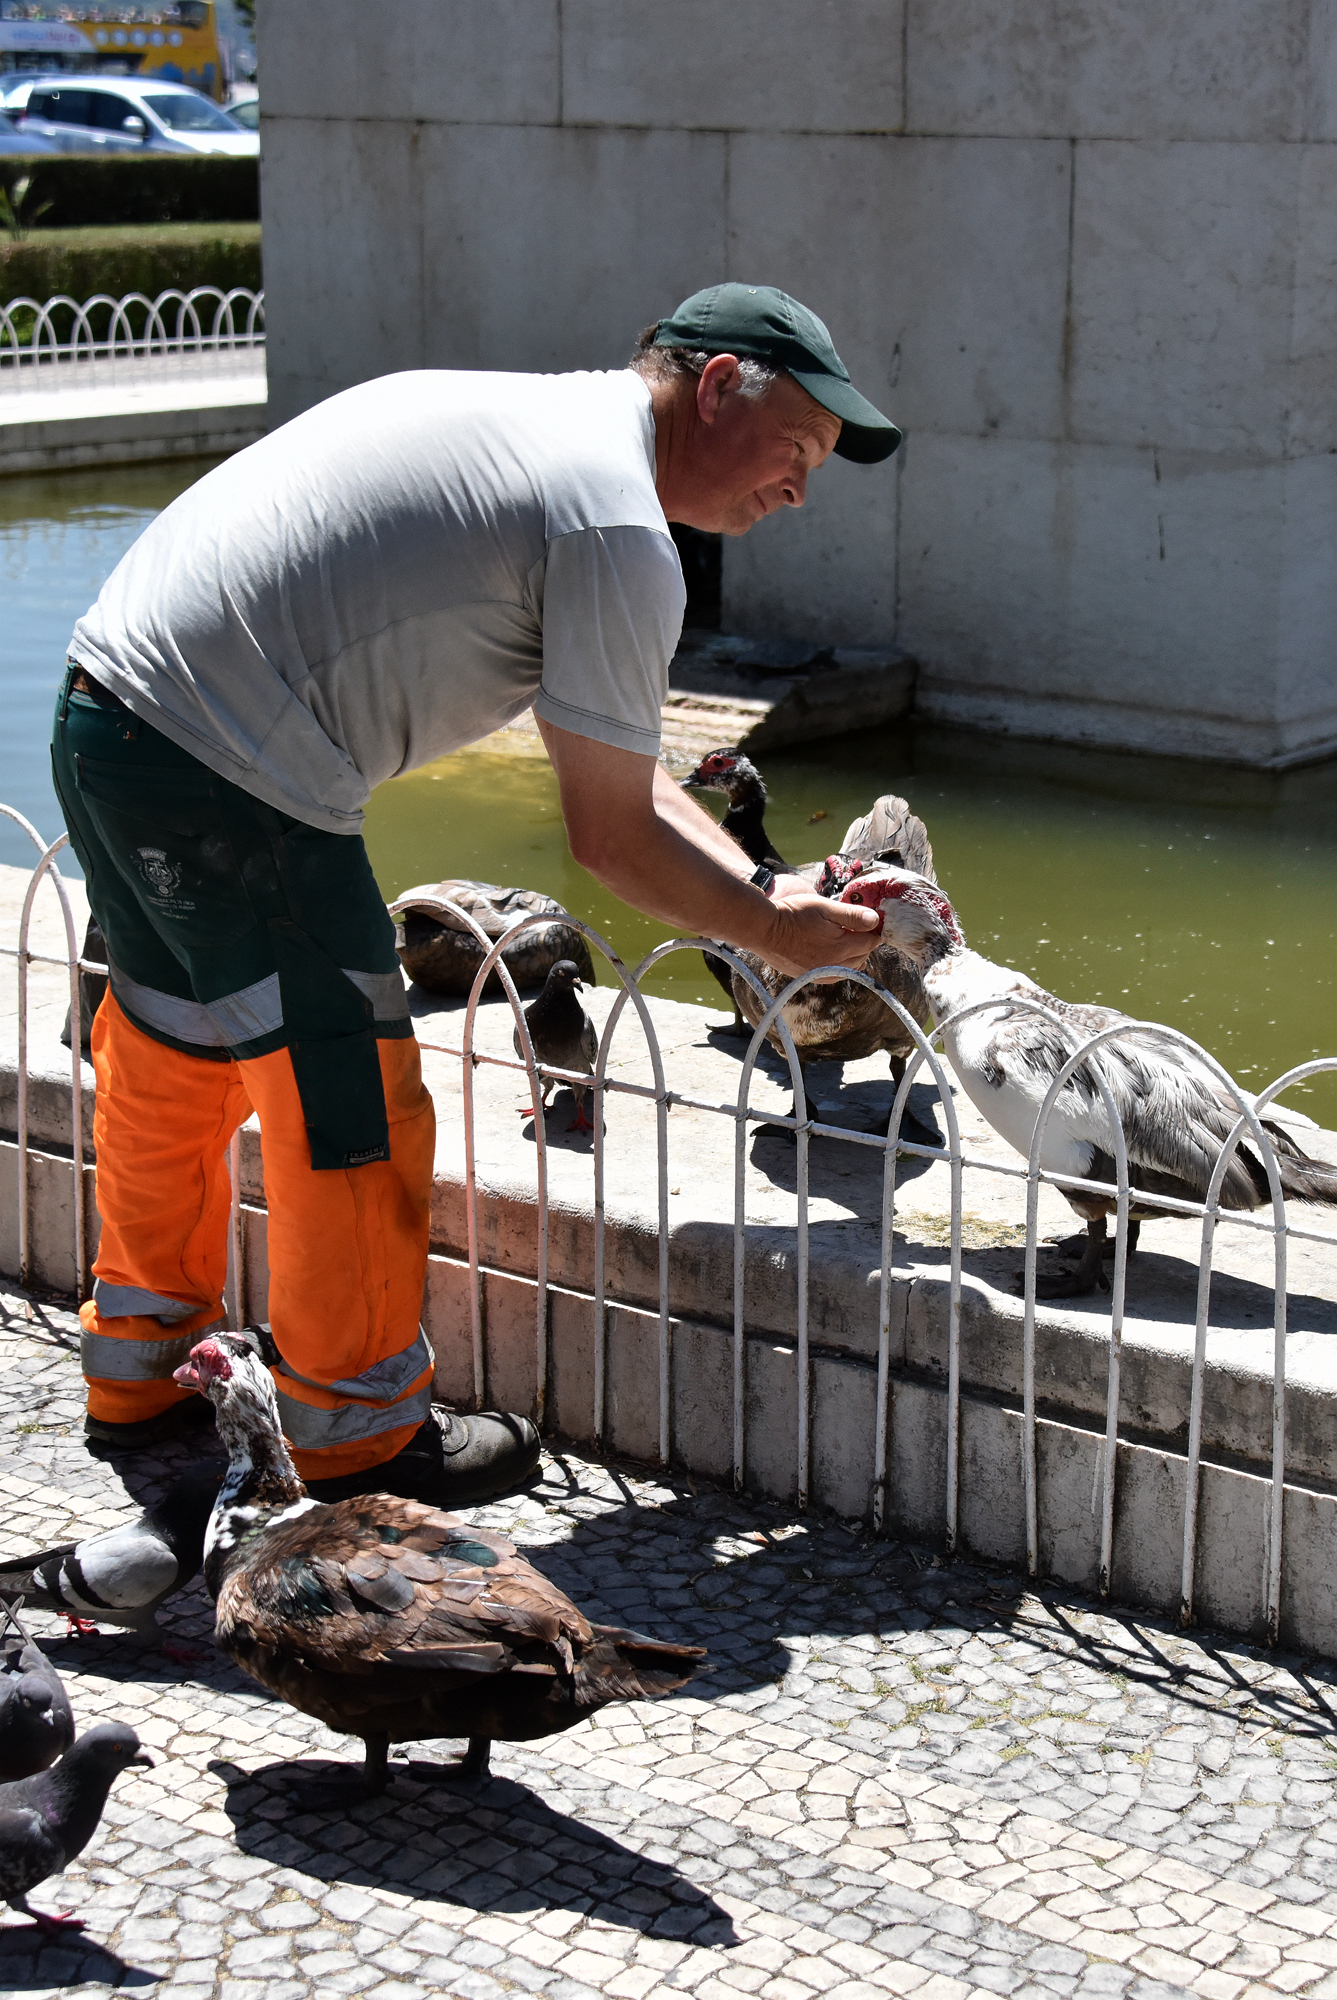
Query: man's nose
[(795, 488)]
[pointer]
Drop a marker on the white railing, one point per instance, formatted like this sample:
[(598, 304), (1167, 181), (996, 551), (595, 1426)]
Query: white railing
[(102, 342), (741, 1114)]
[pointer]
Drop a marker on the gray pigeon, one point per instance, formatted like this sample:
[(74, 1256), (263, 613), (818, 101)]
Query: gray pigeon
[(36, 1721), (48, 1819), (122, 1576), (563, 1035)]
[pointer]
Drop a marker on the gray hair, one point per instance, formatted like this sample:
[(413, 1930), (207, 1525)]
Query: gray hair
[(662, 364)]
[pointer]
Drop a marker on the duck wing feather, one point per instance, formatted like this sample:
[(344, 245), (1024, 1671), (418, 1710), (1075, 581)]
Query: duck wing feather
[(841, 1020), (1174, 1111), (379, 1582)]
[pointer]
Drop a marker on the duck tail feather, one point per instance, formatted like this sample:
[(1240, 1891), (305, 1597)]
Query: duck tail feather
[(1303, 1179), (626, 1666)]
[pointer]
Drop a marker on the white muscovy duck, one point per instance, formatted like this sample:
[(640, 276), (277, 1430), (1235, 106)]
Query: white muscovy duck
[(1175, 1111)]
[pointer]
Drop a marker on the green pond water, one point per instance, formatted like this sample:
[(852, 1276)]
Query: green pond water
[(1192, 894)]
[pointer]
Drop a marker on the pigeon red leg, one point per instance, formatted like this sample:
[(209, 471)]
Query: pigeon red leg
[(182, 1656), (58, 1923), (80, 1628)]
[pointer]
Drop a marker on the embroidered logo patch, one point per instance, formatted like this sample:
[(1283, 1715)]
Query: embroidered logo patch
[(161, 874)]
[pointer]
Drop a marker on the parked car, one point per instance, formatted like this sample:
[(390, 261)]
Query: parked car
[(15, 144), (90, 114), (14, 89), (244, 106)]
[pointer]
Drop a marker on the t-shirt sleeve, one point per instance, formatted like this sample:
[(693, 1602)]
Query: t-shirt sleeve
[(613, 603)]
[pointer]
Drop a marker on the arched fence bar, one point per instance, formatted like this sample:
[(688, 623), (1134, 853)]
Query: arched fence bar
[(105, 342), (741, 1117)]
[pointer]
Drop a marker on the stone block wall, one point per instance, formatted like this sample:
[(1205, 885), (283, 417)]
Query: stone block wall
[(1086, 255)]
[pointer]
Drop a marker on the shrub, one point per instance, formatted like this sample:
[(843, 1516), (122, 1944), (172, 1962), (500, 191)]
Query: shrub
[(124, 188), (151, 259)]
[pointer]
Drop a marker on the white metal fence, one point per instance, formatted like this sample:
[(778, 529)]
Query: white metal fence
[(742, 1115), (103, 342)]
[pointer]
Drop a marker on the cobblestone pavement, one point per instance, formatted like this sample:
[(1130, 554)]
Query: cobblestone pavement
[(900, 1778)]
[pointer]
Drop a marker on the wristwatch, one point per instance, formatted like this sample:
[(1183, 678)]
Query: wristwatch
[(763, 879)]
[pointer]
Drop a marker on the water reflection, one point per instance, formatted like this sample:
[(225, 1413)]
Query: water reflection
[(61, 534)]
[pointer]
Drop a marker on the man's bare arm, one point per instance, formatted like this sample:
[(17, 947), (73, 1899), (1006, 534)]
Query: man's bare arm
[(654, 847)]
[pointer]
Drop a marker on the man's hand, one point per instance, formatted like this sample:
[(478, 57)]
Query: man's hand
[(811, 930), (644, 839)]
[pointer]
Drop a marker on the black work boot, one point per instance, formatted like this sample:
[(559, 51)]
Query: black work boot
[(179, 1421), (448, 1462)]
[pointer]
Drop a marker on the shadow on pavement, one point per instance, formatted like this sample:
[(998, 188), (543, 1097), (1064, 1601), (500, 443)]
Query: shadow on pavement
[(495, 1847)]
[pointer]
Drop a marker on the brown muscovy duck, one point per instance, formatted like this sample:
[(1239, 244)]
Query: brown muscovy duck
[(840, 1021), (387, 1619)]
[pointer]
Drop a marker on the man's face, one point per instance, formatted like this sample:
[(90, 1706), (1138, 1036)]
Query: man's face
[(751, 455)]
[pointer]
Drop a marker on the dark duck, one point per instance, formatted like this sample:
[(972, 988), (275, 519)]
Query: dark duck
[(730, 772), (839, 1021), (387, 1619), (1175, 1111)]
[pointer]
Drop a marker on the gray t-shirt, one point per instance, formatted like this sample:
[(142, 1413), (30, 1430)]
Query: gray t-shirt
[(397, 572)]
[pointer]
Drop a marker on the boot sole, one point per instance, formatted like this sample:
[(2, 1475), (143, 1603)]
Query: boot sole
[(454, 1493)]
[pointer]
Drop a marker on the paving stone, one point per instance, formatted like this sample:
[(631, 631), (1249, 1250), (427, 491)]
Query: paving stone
[(823, 1816)]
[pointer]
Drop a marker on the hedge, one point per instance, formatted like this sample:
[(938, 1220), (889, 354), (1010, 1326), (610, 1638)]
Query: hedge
[(136, 187), (150, 259)]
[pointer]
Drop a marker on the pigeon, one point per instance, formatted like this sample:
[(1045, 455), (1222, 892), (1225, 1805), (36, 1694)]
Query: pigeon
[(563, 1036), (36, 1721), (122, 1576), (47, 1819)]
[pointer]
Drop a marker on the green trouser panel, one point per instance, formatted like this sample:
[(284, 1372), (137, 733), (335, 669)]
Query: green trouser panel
[(233, 930)]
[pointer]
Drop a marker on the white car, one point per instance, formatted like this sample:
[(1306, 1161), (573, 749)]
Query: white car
[(244, 106), (121, 114)]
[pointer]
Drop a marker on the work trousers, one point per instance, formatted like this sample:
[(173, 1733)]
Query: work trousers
[(251, 966)]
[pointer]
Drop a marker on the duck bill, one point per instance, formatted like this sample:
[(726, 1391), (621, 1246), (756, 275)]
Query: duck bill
[(187, 1375)]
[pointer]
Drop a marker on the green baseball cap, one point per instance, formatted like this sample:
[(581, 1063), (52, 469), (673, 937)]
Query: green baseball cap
[(767, 325)]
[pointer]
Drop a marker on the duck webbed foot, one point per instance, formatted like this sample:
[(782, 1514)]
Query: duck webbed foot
[(916, 1130), (475, 1766), (1077, 1280), (348, 1788)]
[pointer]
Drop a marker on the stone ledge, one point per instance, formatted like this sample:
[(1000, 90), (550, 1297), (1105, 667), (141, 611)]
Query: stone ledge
[(844, 1212)]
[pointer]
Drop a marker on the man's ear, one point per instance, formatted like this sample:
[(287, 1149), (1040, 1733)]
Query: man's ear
[(717, 379)]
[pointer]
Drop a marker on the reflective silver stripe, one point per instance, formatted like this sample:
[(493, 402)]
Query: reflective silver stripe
[(243, 1016), (121, 1301), (183, 1020), (309, 1429), (249, 1013), (385, 990), (382, 1381), (111, 1360), (254, 1011)]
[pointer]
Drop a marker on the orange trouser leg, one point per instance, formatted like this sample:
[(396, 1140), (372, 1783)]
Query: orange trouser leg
[(161, 1128), (347, 1264)]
